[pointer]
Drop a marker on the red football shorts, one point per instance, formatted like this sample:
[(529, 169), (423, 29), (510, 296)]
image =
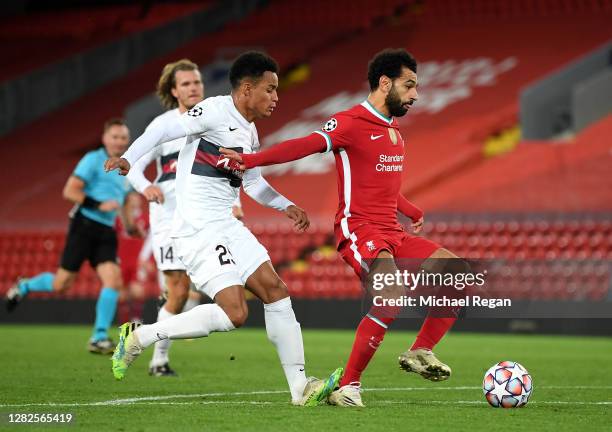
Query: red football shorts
[(367, 241)]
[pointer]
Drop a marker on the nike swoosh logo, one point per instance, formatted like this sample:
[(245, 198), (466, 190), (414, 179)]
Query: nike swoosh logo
[(375, 137), (232, 129)]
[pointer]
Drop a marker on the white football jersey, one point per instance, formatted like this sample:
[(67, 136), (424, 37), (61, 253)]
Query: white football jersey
[(205, 193)]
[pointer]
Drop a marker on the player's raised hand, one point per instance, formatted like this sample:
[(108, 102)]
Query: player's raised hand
[(114, 163), (232, 155), (154, 193), (299, 218), (417, 226)]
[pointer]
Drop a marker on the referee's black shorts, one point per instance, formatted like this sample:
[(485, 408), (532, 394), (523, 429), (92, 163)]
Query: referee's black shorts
[(88, 240)]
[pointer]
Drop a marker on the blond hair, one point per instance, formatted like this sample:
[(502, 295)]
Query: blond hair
[(167, 81)]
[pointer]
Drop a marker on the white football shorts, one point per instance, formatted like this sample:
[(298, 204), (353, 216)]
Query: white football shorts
[(164, 252), (221, 255)]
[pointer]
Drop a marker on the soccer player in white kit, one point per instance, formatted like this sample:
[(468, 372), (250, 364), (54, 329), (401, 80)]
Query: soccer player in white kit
[(179, 89), (221, 255)]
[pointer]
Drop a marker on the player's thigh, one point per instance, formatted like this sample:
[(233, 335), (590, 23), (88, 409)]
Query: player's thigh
[(164, 251), (266, 284), (414, 247), (414, 252), (208, 261), (177, 282), (177, 285), (246, 251), (110, 275), (362, 249), (445, 262), (382, 279)]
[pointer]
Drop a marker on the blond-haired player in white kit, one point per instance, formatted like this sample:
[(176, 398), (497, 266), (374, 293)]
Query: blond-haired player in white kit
[(220, 254)]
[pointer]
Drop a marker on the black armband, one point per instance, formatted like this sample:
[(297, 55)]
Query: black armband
[(91, 203)]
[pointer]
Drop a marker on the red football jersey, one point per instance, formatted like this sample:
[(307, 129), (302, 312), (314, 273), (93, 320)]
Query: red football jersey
[(369, 152)]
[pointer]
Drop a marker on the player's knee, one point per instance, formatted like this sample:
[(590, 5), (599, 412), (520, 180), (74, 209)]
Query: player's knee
[(115, 283), (111, 278), (239, 317), (451, 265), (176, 300), (237, 314), (62, 285), (456, 266), (276, 290)]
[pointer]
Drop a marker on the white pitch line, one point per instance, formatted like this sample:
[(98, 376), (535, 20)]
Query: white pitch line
[(480, 388), (372, 403), (464, 402), (186, 396), (153, 400), (214, 403)]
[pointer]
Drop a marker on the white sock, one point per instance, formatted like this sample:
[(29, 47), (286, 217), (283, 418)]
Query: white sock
[(190, 304), (286, 334), (160, 352), (198, 322)]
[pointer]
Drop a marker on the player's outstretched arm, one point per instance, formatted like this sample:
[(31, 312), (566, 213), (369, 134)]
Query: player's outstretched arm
[(285, 151), (141, 183), (408, 209), (152, 137)]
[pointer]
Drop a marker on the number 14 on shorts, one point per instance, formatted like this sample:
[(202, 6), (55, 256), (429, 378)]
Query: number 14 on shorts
[(168, 256)]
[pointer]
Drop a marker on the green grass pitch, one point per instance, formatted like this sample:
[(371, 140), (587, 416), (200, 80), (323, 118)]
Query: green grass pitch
[(46, 369)]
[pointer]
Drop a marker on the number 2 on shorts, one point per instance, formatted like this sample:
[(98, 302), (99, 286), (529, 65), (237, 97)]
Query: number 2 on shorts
[(222, 255)]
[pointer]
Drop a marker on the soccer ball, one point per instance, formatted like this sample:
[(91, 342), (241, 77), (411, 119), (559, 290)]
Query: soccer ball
[(507, 384)]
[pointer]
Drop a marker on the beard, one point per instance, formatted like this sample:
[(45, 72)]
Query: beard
[(394, 104)]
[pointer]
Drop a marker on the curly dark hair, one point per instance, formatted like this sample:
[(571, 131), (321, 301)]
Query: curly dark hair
[(251, 64), (389, 62)]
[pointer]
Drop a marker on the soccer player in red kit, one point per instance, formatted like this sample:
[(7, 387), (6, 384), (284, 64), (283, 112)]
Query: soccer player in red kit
[(369, 153)]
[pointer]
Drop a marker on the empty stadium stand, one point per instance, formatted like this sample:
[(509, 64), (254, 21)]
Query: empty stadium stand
[(564, 259), (49, 36)]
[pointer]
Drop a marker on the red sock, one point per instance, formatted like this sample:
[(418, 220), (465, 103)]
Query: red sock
[(123, 311), (432, 330), (369, 335)]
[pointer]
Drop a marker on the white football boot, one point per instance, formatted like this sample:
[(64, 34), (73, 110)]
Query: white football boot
[(318, 390), (347, 396), (424, 362)]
